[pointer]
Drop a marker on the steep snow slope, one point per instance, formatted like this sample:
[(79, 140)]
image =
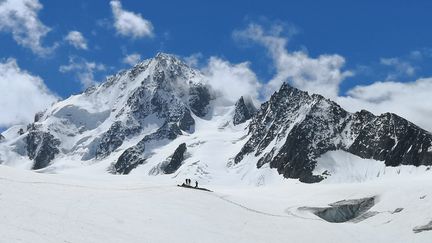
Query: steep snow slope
[(76, 208)]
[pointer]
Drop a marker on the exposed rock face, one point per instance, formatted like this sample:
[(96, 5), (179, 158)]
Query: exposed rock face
[(302, 127), (114, 138), (2, 138), (129, 160), (243, 111), (42, 147), (20, 131), (38, 116), (390, 138), (199, 99), (136, 155), (176, 159)]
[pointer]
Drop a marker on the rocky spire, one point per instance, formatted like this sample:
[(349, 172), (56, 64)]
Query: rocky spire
[(243, 111)]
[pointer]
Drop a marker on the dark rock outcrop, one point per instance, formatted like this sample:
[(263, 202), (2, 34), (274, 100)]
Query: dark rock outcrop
[(20, 131), (302, 127), (38, 116), (176, 159), (2, 138), (42, 147), (129, 160), (199, 99), (136, 155), (390, 138), (243, 111), (114, 138)]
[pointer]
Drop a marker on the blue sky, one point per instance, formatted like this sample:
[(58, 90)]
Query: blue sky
[(378, 40)]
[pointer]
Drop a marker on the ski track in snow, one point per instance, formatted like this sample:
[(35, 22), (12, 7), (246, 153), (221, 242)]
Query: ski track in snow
[(247, 208)]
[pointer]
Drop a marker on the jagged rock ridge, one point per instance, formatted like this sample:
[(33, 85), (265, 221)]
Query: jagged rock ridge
[(293, 128)]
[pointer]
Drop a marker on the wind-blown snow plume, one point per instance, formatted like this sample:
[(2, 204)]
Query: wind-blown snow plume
[(232, 80)]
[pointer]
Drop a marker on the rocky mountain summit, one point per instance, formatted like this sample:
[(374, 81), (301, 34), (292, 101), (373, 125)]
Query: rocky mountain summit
[(147, 117), (294, 128)]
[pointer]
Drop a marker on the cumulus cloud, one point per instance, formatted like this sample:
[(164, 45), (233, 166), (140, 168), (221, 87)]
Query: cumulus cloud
[(21, 94), (130, 24), (132, 59), (322, 74), (76, 39), (84, 70), (231, 80), (410, 100), (20, 18), (401, 68)]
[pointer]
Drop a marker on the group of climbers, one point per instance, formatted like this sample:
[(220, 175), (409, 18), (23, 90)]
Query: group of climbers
[(188, 183)]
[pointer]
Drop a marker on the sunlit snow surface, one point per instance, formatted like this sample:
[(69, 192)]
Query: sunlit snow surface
[(78, 208)]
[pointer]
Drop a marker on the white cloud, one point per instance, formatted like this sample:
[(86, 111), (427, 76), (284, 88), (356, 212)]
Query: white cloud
[(83, 70), (130, 24), (20, 18), (194, 59), (21, 94), (318, 75), (76, 39), (401, 68), (231, 80), (410, 100), (132, 59), (323, 75)]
